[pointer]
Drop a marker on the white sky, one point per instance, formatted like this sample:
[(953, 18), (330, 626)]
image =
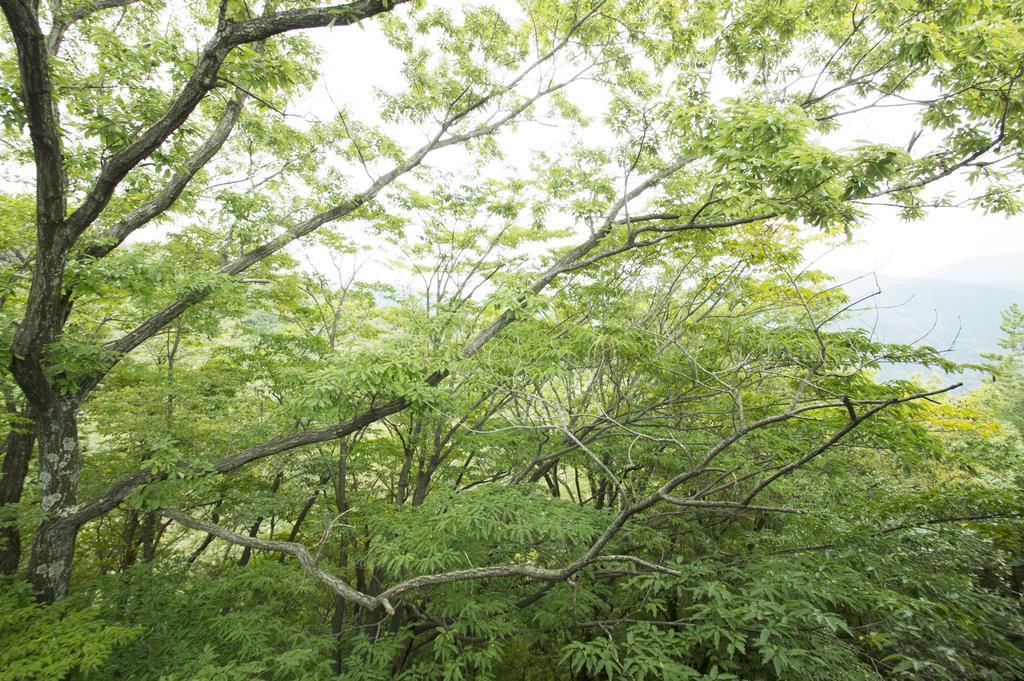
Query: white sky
[(888, 245)]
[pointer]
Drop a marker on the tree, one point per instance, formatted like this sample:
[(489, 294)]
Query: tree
[(126, 130), (1006, 394)]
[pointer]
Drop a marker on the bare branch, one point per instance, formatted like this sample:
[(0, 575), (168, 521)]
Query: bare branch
[(306, 559)]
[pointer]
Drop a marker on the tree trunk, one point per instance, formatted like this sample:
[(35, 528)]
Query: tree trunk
[(402, 488), (151, 533), (419, 493), (341, 504), (129, 547), (214, 518), (17, 452), (255, 529), (60, 463), (337, 629)]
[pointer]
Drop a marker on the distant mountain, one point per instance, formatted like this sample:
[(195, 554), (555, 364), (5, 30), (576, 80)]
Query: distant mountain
[(958, 317), (1003, 271)]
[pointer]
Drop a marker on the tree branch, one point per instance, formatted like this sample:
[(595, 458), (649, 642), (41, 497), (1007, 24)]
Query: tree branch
[(153, 324), (37, 97), (142, 214), (228, 36), (61, 22), (589, 557)]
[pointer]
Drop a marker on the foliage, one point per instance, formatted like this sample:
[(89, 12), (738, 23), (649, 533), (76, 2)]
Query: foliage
[(49, 642), (512, 370)]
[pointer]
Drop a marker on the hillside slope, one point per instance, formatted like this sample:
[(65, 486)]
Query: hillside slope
[(959, 317)]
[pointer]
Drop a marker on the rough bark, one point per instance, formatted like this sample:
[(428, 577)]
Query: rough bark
[(17, 454), (129, 546), (60, 463)]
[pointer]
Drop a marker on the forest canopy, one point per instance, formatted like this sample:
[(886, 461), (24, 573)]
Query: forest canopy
[(424, 340)]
